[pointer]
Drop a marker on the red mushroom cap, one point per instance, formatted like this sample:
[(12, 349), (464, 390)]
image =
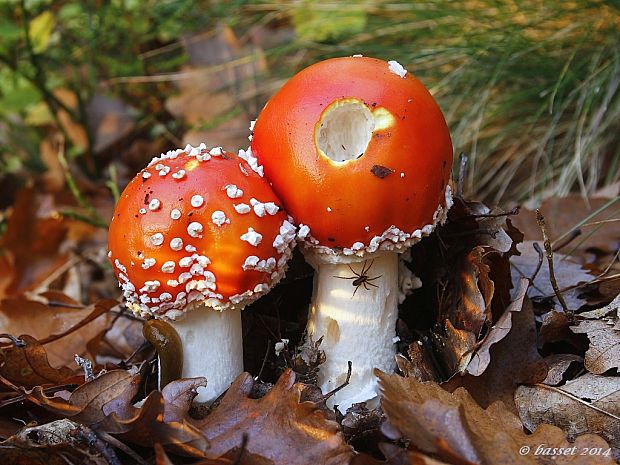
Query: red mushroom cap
[(358, 150), (198, 226)]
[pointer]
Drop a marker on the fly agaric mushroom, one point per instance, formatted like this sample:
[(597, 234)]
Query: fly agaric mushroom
[(360, 154), (195, 237)]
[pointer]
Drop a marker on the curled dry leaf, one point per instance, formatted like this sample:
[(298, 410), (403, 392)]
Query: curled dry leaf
[(107, 403), (457, 430), (481, 359), (514, 360), (27, 365), (604, 335), (588, 404), (465, 271), (62, 332), (49, 444), (278, 426)]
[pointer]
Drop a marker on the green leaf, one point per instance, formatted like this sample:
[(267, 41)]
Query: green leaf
[(40, 31), (9, 31)]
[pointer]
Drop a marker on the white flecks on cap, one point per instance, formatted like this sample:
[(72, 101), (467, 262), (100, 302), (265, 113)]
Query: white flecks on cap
[(252, 237), (258, 207), (329, 209), (242, 208), (201, 260), (165, 297), (195, 229), (150, 286), (402, 175), (367, 228), (176, 243), (190, 248), (143, 211), (157, 239), (168, 267), (216, 151), (148, 262), (248, 156), (233, 191), (184, 277), (164, 170), (146, 175), (304, 230), (186, 262), (179, 174), (172, 283), (219, 218), (243, 170), (175, 214), (397, 68), (250, 262), (271, 208), (197, 201), (358, 55), (252, 123), (154, 205), (196, 269), (109, 254)]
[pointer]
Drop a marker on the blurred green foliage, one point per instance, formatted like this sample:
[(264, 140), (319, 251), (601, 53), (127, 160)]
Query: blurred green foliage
[(530, 89)]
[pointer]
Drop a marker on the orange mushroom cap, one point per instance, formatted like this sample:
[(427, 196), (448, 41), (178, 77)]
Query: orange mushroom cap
[(379, 181), (198, 226)]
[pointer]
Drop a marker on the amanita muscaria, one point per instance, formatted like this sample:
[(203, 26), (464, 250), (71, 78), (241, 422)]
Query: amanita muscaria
[(361, 156), (195, 237)]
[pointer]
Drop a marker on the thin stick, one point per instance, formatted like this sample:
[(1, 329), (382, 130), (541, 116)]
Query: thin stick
[(559, 245), (577, 399), (540, 219), (463, 159), (342, 386)]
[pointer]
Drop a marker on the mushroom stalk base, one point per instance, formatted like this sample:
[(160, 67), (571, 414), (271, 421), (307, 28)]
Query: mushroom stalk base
[(212, 347), (357, 323)]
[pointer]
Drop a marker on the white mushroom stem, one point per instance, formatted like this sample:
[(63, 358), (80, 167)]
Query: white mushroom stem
[(359, 328), (212, 347)]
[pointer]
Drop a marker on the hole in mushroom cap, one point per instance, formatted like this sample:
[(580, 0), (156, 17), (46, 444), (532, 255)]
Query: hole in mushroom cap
[(345, 130)]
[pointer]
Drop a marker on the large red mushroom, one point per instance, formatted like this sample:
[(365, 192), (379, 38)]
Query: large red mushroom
[(360, 154), (195, 237)]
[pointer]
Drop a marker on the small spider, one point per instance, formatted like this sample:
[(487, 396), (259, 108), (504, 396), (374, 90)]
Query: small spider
[(361, 278)]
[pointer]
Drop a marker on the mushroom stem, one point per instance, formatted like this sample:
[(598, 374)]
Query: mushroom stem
[(212, 347), (357, 322)]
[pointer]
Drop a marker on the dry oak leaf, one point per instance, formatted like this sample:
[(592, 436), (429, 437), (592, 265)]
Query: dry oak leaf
[(106, 403), (588, 404), (26, 364), (604, 335), (481, 359), (278, 426), (457, 430), (235, 457), (58, 322)]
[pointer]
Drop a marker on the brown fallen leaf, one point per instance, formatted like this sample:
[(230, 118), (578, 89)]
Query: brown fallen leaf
[(31, 243), (49, 444), (454, 428), (604, 335), (236, 457), (25, 363), (481, 359), (588, 404), (559, 365), (278, 426), (514, 360), (47, 316)]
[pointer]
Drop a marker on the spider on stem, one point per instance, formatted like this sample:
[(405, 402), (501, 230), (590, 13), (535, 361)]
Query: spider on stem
[(361, 278)]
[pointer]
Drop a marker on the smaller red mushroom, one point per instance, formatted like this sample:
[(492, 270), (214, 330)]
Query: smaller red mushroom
[(197, 236)]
